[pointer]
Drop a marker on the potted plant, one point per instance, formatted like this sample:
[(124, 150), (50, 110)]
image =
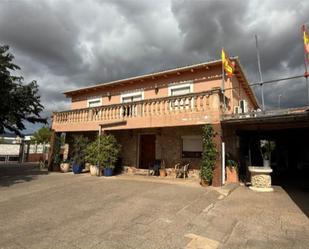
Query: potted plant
[(92, 157), (65, 166), (266, 148), (80, 143), (231, 169), (57, 154), (108, 153), (209, 155), (162, 169)]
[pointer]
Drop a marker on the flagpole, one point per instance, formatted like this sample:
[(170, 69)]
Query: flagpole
[(260, 72), (306, 64), (222, 85)]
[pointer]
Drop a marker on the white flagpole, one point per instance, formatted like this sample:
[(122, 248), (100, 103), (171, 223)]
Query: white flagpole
[(306, 64), (260, 72), (222, 85)]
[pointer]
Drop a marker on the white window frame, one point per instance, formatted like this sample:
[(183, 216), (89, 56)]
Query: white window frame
[(174, 86), (131, 94), (90, 99)]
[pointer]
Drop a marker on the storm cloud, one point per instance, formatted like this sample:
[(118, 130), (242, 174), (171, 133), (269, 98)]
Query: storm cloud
[(69, 44)]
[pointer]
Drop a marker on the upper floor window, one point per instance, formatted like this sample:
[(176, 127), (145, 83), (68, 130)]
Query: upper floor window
[(180, 89), (132, 97), (93, 102)]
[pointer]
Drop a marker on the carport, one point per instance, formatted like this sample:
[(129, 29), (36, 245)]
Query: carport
[(289, 129)]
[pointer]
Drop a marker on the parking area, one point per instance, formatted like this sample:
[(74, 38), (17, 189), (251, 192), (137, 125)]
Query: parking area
[(54, 210)]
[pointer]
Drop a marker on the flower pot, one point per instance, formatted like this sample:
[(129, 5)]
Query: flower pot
[(94, 170), (266, 163), (65, 167), (77, 168), (231, 174), (108, 171), (204, 183), (162, 172)]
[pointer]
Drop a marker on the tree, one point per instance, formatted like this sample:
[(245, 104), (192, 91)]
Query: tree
[(18, 102), (41, 136)]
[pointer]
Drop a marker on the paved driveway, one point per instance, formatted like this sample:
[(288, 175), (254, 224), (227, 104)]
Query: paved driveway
[(41, 210)]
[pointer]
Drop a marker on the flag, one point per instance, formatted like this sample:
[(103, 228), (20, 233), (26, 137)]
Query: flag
[(306, 43), (227, 64)]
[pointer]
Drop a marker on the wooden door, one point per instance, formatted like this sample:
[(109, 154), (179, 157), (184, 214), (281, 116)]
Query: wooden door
[(147, 150)]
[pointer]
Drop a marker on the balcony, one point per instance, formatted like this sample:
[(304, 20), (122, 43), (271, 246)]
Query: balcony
[(189, 109)]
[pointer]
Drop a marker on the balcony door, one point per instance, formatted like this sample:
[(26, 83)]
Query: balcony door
[(147, 150)]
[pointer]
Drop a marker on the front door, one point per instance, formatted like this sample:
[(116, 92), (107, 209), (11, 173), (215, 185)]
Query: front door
[(147, 151)]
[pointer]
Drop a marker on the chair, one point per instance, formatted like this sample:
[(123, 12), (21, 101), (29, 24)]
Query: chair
[(182, 171), (154, 170)]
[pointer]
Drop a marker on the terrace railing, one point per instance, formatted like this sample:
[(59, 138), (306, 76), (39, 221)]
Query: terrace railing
[(195, 102)]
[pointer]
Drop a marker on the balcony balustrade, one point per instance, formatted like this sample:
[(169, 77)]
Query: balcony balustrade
[(177, 106)]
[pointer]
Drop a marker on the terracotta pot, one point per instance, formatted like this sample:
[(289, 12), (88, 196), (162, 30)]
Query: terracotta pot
[(162, 172), (231, 174), (204, 183), (65, 167), (94, 170)]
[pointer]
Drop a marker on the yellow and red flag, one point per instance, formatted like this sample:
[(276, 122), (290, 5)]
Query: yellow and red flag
[(306, 43), (227, 64)]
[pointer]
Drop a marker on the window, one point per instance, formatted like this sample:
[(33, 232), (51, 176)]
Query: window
[(132, 97), (130, 110), (181, 89), (192, 146), (93, 102)]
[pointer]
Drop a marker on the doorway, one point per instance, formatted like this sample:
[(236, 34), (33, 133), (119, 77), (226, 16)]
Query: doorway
[(147, 150)]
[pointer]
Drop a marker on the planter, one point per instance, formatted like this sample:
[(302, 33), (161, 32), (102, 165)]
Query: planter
[(94, 170), (204, 183), (108, 171), (56, 168), (77, 168), (231, 174), (65, 167), (266, 163), (162, 173)]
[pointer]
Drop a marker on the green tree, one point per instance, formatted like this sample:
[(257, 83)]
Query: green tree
[(103, 151), (18, 102), (41, 136), (209, 154)]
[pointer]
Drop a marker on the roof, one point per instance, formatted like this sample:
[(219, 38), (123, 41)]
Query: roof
[(239, 74)]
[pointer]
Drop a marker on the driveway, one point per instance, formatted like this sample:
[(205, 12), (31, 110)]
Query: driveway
[(53, 210)]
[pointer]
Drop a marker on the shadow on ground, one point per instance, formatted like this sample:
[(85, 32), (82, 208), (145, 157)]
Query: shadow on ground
[(296, 185), (11, 174)]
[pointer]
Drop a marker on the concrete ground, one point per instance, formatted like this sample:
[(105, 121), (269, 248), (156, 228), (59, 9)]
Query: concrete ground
[(53, 210)]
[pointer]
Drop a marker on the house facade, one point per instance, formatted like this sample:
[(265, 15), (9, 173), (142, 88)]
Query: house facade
[(159, 115)]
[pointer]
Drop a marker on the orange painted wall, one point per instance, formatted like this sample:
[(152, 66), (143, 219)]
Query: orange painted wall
[(203, 80)]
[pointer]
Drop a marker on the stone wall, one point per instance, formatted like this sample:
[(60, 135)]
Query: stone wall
[(168, 145)]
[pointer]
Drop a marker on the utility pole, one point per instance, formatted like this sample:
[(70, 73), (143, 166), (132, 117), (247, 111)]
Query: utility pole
[(260, 72), (279, 101)]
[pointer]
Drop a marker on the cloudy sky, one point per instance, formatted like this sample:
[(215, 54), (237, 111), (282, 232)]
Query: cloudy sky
[(67, 44)]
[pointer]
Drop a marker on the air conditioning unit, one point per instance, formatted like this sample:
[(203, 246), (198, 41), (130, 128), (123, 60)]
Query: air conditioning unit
[(237, 110), (243, 104)]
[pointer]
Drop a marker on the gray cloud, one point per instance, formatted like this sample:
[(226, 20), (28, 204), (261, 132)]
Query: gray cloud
[(68, 44)]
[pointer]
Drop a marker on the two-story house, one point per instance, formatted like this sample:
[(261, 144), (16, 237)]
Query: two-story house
[(159, 115)]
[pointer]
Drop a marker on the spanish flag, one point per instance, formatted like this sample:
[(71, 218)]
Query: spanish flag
[(227, 64), (306, 43)]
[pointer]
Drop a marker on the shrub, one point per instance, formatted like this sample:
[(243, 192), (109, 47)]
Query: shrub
[(103, 151), (209, 154), (79, 148)]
